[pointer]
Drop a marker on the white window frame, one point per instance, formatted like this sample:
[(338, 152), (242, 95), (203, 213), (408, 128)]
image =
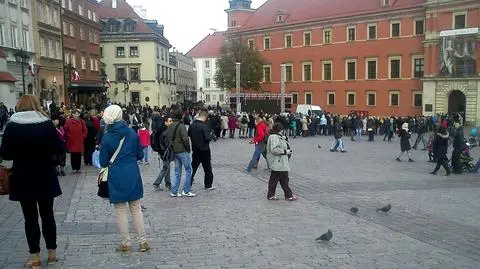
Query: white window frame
[(415, 27), (454, 14), (331, 70), (286, 77), (390, 93), (209, 83), (416, 57), (368, 31), (366, 67), (334, 98), (252, 41), (2, 34), (94, 16), (331, 35), (346, 69), (368, 93), (270, 75), (89, 14), (67, 57), (355, 34), (399, 28), (59, 49), (265, 38), (354, 98), (390, 66), (80, 10), (291, 41), (207, 64), (304, 39), (70, 5), (73, 60), (296, 94), (303, 71), (26, 39), (92, 67), (83, 62), (305, 96), (413, 98), (72, 30), (43, 48), (14, 36)]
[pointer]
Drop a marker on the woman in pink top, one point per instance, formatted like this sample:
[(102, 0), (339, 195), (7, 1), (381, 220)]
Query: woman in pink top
[(144, 135)]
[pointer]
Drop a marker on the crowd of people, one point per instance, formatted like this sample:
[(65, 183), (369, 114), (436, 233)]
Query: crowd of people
[(124, 136)]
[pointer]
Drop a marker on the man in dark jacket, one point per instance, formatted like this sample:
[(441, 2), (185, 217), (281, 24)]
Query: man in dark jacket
[(201, 135), (440, 148), (421, 130), (337, 133), (458, 146), (161, 135)]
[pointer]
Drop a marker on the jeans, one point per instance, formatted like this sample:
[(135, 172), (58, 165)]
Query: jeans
[(203, 157), (164, 173), (32, 228), (250, 132), (138, 222), (359, 133), (182, 160), (420, 137), (256, 156), (337, 143), (145, 154)]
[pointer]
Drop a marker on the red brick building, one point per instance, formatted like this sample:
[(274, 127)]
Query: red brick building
[(81, 47), (365, 55)]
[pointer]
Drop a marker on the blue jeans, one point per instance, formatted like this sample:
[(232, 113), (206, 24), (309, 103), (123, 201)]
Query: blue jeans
[(145, 154), (182, 159), (250, 132), (337, 143), (256, 156), (359, 133)]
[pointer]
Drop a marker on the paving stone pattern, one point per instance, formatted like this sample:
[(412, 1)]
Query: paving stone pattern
[(434, 221)]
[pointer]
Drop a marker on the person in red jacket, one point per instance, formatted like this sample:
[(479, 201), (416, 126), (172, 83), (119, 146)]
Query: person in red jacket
[(144, 135), (259, 141), (75, 133)]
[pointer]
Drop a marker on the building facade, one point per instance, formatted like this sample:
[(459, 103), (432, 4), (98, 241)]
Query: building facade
[(81, 43), (205, 55), (8, 95), (136, 57), (186, 78), (47, 36), (16, 36)]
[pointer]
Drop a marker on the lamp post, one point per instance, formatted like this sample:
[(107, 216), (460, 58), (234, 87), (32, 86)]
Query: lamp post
[(21, 57), (237, 91), (282, 87), (126, 88)]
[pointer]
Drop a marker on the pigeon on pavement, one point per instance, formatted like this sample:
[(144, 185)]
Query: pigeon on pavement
[(326, 236), (354, 210), (385, 209), (319, 146)]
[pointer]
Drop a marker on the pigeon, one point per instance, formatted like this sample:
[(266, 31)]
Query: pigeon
[(326, 236), (354, 210), (319, 146), (385, 209)]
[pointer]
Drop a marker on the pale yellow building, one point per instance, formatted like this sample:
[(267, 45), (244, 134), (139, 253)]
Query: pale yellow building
[(136, 57)]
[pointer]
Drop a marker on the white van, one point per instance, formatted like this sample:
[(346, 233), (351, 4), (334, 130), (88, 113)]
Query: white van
[(309, 110)]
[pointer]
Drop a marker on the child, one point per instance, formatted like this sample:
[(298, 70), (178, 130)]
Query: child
[(144, 135), (61, 158)]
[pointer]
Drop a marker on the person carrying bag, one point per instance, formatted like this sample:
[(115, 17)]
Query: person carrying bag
[(103, 175)]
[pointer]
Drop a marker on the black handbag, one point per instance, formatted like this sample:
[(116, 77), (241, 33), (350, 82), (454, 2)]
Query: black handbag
[(103, 175)]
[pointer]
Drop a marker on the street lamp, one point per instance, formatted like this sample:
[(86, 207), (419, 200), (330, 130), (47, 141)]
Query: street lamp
[(21, 57)]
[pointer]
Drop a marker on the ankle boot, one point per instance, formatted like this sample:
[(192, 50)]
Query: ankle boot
[(52, 256), (34, 261)]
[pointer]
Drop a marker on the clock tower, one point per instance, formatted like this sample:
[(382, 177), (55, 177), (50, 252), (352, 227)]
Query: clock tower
[(239, 12)]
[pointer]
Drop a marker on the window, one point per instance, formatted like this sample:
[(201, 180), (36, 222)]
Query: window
[(134, 51), (294, 98), (58, 49), (327, 70), (94, 16), (307, 40), (251, 44), (395, 29), (307, 72), (24, 3), (129, 27), (2, 35), (308, 98), (121, 75), (51, 49), (207, 83), (112, 27), (394, 98), (460, 21), (92, 67), (289, 72), (351, 69), (80, 10), (288, 41), (386, 2), (394, 67), (72, 30), (158, 53), (101, 52), (90, 36), (82, 33), (266, 43), (331, 98), (267, 73), (418, 65), (221, 98), (25, 40), (65, 28), (279, 18), (14, 35), (73, 60), (120, 52), (371, 69), (351, 99), (63, 3), (66, 55), (372, 31), (134, 74), (371, 99), (327, 36), (43, 48), (47, 15), (70, 5), (207, 64), (56, 17), (207, 97), (351, 33), (417, 99), (163, 55), (89, 14), (419, 27)]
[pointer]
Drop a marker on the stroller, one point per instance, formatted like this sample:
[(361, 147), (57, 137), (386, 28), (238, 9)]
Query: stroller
[(466, 161), (473, 139)]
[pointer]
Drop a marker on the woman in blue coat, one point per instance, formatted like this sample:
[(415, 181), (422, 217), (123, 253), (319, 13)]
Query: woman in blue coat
[(124, 180)]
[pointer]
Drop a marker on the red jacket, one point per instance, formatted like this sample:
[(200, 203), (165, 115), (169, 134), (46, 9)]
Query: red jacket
[(96, 123), (75, 133), (261, 132), (144, 136)]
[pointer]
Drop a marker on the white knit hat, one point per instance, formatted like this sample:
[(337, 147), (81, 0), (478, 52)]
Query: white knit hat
[(112, 114)]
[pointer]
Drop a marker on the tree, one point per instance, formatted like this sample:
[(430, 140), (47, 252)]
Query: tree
[(251, 70)]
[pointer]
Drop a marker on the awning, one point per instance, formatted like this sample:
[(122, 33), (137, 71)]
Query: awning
[(87, 87), (7, 77)]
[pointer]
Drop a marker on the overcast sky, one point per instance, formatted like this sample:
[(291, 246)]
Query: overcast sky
[(188, 21)]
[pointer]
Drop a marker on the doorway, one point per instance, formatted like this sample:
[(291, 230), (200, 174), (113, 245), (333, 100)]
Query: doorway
[(135, 97), (457, 103)]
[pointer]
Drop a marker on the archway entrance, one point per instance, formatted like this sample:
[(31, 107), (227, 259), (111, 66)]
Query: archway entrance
[(457, 103)]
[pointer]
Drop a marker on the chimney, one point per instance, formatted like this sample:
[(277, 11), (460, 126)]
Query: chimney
[(114, 3)]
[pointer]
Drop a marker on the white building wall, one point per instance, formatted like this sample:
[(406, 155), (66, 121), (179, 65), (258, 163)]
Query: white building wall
[(211, 94)]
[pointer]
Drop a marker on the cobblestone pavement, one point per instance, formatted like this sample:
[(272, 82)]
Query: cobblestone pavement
[(434, 221)]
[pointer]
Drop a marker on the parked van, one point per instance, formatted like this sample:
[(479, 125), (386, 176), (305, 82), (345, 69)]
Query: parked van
[(309, 110)]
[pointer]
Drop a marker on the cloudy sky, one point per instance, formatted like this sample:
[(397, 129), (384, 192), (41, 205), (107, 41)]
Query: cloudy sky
[(188, 21)]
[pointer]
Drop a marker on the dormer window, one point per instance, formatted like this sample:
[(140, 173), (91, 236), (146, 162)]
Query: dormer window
[(279, 18), (112, 27), (386, 2), (233, 23), (129, 27)]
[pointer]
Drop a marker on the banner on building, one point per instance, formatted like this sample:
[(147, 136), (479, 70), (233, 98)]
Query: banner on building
[(457, 52)]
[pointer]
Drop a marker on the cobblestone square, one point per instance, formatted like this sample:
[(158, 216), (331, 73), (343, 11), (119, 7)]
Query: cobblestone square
[(434, 221)]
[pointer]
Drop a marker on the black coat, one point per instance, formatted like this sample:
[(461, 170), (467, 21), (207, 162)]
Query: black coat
[(440, 144), (405, 140), (200, 135), (31, 141)]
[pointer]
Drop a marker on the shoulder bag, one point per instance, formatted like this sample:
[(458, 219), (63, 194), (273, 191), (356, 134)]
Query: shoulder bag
[(103, 175), (5, 175), (169, 154)]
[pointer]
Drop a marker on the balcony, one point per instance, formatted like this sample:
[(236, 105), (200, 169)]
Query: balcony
[(172, 60)]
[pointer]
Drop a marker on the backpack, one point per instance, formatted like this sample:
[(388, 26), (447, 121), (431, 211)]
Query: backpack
[(154, 141), (244, 120)]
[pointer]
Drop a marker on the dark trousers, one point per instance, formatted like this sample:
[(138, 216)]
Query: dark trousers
[(275, 177), (203, 157), (76, 160), (371, 135), (87, 155), (224, 132), (455, 161), (30, 209), (442, 161)]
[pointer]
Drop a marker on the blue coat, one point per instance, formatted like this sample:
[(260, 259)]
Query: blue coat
[(124, 179)]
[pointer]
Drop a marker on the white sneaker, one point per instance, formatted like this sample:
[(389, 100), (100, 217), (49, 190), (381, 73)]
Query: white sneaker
[(175, 194), (211, 188), (189, 194)]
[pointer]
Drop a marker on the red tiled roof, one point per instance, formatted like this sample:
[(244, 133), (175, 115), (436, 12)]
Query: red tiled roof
[(298, 11), (210, 46), (2, 54), (7, 77), (122, 11)]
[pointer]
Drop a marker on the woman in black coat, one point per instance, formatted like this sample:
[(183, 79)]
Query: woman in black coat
[(440, 148), (31, 142), (405, 135)]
